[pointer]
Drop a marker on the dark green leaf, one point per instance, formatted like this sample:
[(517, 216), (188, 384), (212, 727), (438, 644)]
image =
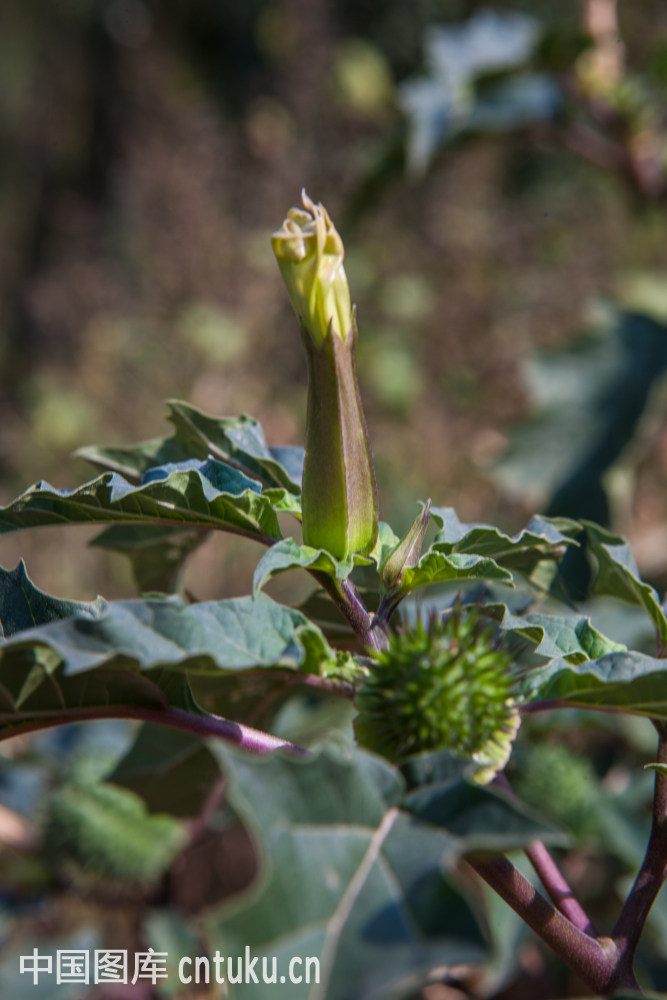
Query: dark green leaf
[(375, 901), (618, 576), (238, 441), (486, 819), (23, 606), (241, 441), (629, 682), (138, 653), (543, 539), (156, 552), (208, 494), (288, 554), (573, 638)]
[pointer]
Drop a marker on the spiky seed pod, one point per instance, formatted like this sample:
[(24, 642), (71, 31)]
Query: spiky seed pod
[(446, 685), (561, 784), (99, 831)]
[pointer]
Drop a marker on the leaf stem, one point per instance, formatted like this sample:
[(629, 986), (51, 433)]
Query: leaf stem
[(652, 874), (236, 733)]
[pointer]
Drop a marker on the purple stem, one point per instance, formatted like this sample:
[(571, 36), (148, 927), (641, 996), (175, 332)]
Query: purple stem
[(593, 961), (651, 876), (346, 598), (557, 888), (242, 736)]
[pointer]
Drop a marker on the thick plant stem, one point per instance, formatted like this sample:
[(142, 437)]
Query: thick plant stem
[(556, 886), (551, 877), (652, 874), (593, 961), (344, 595), (239, 735)]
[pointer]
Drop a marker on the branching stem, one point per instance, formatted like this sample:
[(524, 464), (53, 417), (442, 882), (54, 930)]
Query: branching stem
[(557, 887), (593, 960), (551, 877), (346, 598)]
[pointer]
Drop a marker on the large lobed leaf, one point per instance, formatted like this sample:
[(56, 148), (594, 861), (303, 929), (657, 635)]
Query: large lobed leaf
[(23, 605), (623, 681), (543, 539), (571, 638), (136, 653), (206, 494), (237, 441), (618, 576), (353, 877)]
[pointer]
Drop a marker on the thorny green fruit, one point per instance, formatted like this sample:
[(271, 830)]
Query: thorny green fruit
[(444, 686), (339, 494)]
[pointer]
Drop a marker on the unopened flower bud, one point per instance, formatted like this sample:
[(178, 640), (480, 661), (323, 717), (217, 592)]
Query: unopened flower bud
[(339, 495), (310, 256)]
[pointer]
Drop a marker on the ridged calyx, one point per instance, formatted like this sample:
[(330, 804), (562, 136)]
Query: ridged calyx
[(447, 685), (339, 494)]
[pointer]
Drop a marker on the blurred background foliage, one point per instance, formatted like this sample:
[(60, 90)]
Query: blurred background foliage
[(499, 177), (494, 173), (486, 203)]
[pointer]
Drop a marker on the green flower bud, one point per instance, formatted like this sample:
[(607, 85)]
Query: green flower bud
[(339, 494), (446, 686), (310, 256), (407, 552)]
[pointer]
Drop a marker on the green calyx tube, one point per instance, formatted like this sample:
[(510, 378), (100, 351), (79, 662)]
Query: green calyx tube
[(339, 495)]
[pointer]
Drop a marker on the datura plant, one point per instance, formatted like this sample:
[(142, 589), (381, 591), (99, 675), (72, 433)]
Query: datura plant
[(368, 739)]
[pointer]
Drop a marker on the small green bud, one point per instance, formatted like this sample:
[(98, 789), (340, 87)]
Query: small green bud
[(339, 494), (446, 686), (310, 256), (407, 552), (561, 783)]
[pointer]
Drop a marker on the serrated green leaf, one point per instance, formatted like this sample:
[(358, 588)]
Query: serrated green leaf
[(238, 441), (157, 552), (571, 638), (139, 653), (618, 576), (625, 681), (23, 605), (288, 554), (543, 539), (208, 494), (435, 567), (348, 877), (236, 634)]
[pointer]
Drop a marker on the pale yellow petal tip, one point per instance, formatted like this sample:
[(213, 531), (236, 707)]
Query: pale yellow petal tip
[(310, 254)]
